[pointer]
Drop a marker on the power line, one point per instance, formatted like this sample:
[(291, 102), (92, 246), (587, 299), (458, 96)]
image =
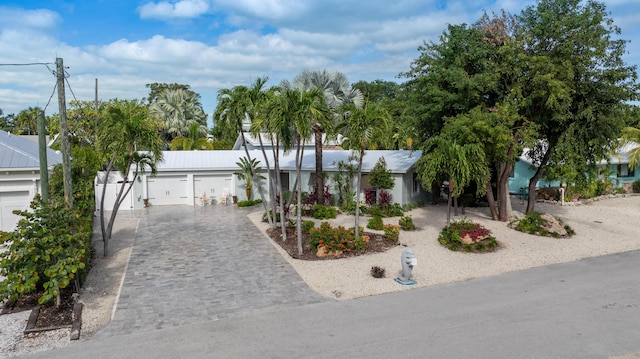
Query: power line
[(29, 64), (50, 97)]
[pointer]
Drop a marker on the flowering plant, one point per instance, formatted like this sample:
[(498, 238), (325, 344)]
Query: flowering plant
[(392, 232)]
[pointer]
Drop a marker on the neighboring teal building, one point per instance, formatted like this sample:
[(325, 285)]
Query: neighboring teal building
[(620, 174), (523, 170)]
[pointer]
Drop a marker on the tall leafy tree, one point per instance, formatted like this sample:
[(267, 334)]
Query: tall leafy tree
[(576, 82), (359, 126), (473, 75), (129, 139), (336, 92)]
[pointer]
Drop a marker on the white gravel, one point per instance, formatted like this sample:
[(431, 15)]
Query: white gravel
[(602, 227)]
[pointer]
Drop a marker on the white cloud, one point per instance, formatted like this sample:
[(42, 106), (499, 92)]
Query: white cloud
[(171, 10), (33, 19)]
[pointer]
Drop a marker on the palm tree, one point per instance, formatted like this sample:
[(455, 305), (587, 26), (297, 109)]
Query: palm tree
[(461, 164), (277, 124), (125, 130), (241, 103), (336, 92), (176, 110), (249, 170), (631, 137), (26, 122), (195, 140), (359, 126), (302, 108)]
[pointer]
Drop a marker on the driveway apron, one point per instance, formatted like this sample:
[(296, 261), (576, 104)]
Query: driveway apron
[(196, 264)]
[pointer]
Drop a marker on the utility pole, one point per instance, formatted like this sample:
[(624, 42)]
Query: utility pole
[(64, 132), (95, 123), (42, 149)]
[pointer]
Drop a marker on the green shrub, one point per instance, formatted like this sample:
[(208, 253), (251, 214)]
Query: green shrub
[(636, 186), (375, 222), (324, 212), (406, 223), (375, 211), (248, 203), (394, 210), (307, 226), (276, 218), (350, 208), (49, 250), (468, 236), (534, 223)]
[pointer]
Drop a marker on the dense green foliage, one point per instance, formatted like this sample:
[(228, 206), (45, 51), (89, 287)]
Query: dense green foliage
[(380, 177), (48, 251), (375, 222), (51, 246), (324, 212), (551, 78)]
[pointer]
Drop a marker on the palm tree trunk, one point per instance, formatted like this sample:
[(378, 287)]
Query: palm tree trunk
[(449, 201), (299, 153), (253, 178), (357, 224), (317, 130), (272, 190)]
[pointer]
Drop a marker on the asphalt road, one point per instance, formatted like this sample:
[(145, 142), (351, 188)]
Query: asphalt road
[(584, 309)]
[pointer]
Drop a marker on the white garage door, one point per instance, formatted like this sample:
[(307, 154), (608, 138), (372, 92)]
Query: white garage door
[(167, 190), (211, 185), (10, 201)]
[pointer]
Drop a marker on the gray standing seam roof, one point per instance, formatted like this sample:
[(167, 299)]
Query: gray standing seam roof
[(20, 153), (397, 161)]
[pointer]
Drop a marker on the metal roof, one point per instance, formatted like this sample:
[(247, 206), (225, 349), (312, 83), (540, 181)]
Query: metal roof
[(397, 161), (20, 153)]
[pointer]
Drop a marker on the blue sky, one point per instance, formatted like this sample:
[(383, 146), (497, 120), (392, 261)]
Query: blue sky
[(215, 44)]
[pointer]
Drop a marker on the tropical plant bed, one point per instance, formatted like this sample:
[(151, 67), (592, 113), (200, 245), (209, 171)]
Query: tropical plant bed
[(465, 235), (49, 316), (377, 243)]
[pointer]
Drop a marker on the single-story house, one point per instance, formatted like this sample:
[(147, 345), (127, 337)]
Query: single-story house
[(254, 143), (19, 175), (620, 173), (523, 171), (184, 177)]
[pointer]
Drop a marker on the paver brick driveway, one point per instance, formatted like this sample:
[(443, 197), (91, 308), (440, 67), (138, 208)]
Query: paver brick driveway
[(195, 264)]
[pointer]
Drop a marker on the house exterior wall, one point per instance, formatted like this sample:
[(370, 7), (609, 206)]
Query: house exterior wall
[(522, 173), (622, 176), (402, 191)]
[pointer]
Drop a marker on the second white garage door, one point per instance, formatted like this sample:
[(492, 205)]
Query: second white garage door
[(211, 185), (168, 190)]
